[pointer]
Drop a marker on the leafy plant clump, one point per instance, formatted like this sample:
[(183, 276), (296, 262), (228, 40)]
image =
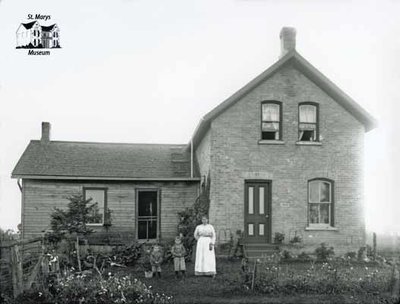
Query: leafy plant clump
[(319, 278), (127, 255), (279, 237), (296, 239), (287, 255), (304, 257), (323, 252), (81, 288)]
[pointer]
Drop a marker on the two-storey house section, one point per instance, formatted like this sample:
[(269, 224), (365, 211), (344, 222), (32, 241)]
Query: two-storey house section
[(285, 155)]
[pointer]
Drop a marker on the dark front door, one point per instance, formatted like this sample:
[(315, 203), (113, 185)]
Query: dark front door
[(257, 212), (147, 214)]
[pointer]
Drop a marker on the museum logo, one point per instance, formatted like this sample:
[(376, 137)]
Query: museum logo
[(36, 37)]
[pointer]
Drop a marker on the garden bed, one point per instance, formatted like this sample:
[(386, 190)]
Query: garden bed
[(354, 283), (334, 282)]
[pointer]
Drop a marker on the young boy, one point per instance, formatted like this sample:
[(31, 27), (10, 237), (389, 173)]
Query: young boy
[(236, 245), (178, 252), (156, 258)]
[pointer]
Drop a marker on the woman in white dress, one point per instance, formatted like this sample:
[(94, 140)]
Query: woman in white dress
[(205, 254)]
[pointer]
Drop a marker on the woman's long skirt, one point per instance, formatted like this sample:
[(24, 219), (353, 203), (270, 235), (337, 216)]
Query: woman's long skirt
[(205, 258)]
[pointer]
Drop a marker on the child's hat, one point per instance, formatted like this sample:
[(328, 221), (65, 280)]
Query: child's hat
[(178, 240)]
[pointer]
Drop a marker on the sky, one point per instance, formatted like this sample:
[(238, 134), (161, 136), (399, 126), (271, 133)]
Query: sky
[(146, 71)]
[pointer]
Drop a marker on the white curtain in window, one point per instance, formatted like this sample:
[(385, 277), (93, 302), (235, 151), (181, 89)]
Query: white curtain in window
[(308, 114), (325, 195), (270, 112), (314, 192), (309, 127), (270, 126)]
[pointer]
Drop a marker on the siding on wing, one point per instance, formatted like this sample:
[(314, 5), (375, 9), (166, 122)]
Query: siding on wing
[(40, 197)]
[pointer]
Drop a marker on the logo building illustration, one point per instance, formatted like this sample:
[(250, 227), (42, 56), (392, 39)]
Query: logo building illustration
[(32, 35)]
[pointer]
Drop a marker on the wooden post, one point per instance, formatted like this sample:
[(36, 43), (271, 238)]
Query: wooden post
[(254, 274), (45, 265), (34, 274), (374, 245), (395, 281), (16, 269), (77, 254)]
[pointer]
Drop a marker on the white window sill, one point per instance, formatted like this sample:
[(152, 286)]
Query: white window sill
[(271, 142), (95, 225), (308, 143), (321, 228)]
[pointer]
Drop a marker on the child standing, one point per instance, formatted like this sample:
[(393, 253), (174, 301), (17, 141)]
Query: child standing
[(156, 258), (178, 252), (236, 245)]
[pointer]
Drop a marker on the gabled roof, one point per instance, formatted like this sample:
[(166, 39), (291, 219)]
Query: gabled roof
[(103, 161), (48, 28), (308, 70), (28, 25)]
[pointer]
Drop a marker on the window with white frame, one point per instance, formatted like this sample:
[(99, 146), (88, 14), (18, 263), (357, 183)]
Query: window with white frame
[(320, 202), (308, 122), (98, 201), (271, 126)]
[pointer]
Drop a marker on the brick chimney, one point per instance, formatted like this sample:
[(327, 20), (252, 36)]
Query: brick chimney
[(45, 132), (288, 40)]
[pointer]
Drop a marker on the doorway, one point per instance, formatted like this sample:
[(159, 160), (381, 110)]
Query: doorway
[(257, 211), (147, 207)]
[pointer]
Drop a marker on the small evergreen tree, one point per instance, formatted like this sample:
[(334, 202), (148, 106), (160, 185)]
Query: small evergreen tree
[(71, 221)]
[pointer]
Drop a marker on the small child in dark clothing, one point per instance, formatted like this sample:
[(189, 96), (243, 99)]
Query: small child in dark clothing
[(156, 258), (178, 252)]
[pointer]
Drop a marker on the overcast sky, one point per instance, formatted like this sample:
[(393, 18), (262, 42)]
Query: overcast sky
[(147, 71)]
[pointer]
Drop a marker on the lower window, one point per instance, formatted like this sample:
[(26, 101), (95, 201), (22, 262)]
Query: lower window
[(98, 203), (320, 202)]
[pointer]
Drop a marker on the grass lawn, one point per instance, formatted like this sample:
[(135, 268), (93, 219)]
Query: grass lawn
[(227, 286)]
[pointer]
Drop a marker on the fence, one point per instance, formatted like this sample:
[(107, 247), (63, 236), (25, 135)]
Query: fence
[(20, 262)]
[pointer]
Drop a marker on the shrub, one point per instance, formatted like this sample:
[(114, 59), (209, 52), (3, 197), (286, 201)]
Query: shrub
[(304, 257), (34, 296), (296, 239), (287, 256), (127, 255), (351, 255), (8, 235), (323, 253), (279, 237)]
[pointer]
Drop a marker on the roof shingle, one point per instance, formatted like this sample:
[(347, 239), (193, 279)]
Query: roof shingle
[(103, 160)]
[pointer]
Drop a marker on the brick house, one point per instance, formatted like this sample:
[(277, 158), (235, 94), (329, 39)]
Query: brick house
[(283, 154), (32, 34)]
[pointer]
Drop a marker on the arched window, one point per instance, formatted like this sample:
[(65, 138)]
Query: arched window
[(320, 203), (271, 120), (308, 122)]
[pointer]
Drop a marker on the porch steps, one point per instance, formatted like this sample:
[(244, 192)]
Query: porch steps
[(258, 250)]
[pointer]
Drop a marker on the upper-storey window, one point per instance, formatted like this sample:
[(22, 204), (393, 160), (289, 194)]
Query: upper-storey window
[(98, 200), (271, 120), (308, 122), (320, 202)]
